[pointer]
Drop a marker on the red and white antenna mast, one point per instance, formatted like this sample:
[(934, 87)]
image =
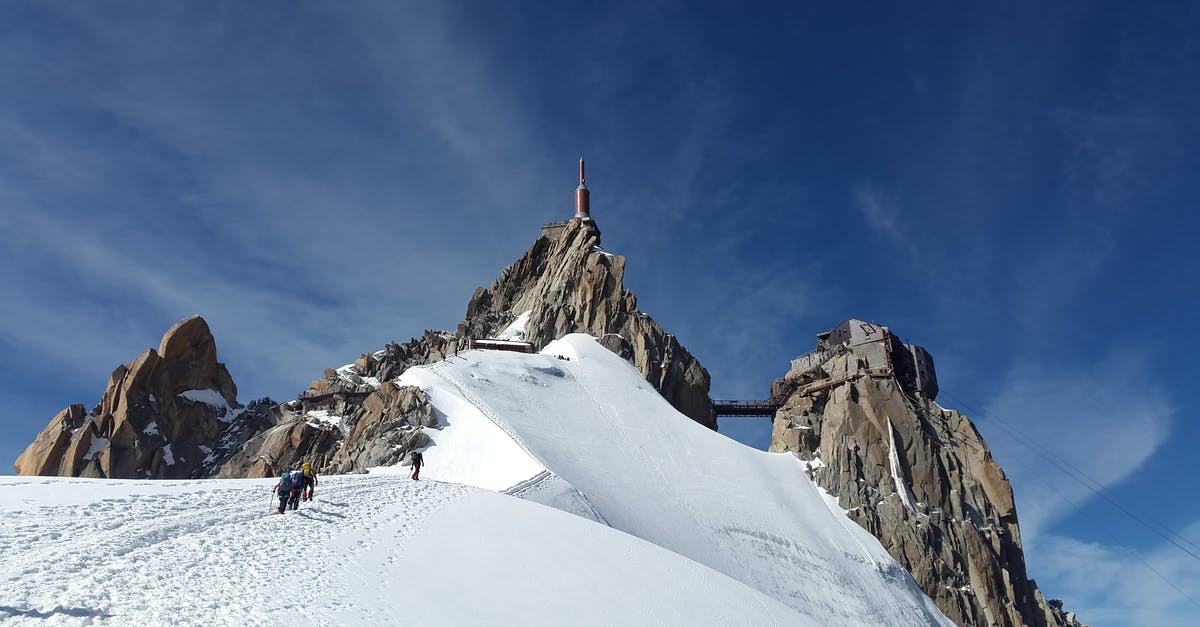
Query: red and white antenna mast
[(582, 207)]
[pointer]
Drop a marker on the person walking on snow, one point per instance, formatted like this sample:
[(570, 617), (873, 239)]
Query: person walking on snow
[(308, 483), (417, 462), (297, 487), (283, 490)]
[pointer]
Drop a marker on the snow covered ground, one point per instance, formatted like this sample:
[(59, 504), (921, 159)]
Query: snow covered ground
[(662, 522), (607, 437)]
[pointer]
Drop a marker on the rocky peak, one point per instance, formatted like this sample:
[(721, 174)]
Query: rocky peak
[(189, 360), (163, 415), (173, 412), (566, 283), (860, 408), (353, 417)]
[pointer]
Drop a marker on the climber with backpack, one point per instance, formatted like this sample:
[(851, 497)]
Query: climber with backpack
[(417, 461), (308, 482), (297, 487), (283, 490)]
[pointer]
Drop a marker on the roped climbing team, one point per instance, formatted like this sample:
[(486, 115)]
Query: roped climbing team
[(295, 486), (300, 485)]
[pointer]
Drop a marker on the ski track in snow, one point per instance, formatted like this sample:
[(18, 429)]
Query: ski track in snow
[(440, 369), (72, 565), (527, 487)]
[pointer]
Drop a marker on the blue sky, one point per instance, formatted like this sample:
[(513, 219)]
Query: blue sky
[(1011, 185)]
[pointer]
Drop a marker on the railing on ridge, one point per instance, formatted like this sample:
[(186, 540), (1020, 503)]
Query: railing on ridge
[(730, 408)]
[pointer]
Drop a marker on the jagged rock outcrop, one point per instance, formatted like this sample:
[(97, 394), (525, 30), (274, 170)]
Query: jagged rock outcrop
[(568, 284), (565, 283), (171, 413), (174, 413), (389, 427), (282, 447), (59, 448), (387, 364), (344, 423), (917, 476)]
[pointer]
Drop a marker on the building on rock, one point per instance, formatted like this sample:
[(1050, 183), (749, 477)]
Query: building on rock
[(860, 409), (878, 353)]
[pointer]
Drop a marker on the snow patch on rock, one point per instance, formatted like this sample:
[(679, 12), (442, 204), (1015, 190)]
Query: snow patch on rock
[(213, 399), (516, 330)]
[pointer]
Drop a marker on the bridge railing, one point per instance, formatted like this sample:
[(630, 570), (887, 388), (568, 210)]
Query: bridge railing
[(731, 408), (728, 403)]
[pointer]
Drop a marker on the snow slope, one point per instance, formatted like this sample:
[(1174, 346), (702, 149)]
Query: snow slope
[(675, 525), (371, 550), (599, 430)]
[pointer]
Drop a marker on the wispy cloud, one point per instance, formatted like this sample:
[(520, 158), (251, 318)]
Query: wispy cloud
[(90, 334), (194, 194), (1098, 581), (882, 214), (1073, 413), (734, 324)]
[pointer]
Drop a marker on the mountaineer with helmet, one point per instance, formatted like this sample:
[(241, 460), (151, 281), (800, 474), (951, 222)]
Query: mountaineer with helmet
[(308, 482)]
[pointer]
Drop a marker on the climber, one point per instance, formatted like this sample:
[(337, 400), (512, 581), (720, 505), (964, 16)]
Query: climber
[(283, 490), (417, 461), (308, 482), (297, 486)]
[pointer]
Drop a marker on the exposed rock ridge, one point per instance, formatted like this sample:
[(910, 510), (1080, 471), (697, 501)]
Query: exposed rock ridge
[(571, 285), (171, 413), (338, 431), (564, 283), (917, 476)]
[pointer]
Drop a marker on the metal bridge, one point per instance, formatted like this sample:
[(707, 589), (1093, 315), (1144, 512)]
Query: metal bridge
[(316, 398), (744, 409)]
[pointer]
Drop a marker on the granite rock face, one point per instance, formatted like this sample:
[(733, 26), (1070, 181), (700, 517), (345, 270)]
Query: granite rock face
[(283, 446), (566, 283), (389, 427), (919, 477), (387, 364), (172, 413)]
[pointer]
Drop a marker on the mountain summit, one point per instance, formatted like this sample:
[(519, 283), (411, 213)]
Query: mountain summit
[(168, 414), (861, 409), (566, 283), (173, 413), (673, 524)]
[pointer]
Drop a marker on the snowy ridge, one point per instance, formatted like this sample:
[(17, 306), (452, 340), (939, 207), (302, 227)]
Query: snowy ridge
[(651, 472), (470, 448), (551, 490), (601, 505), (371, 550)]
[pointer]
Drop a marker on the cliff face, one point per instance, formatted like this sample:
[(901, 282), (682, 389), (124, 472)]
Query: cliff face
[(917, 476), (565, 283), (171, 413)]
